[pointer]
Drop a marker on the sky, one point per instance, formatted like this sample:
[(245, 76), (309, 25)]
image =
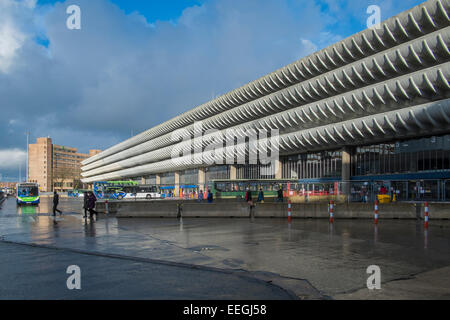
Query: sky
[(134, 63)]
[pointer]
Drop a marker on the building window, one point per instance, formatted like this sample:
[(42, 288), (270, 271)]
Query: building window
[(217, 172), (326, 164), (168, 178), (189, 177), (409, 156)]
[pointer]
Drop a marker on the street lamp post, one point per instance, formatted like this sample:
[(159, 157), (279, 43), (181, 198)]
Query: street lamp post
[(28, 148)]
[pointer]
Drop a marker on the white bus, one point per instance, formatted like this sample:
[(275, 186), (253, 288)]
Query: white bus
[(138, 192)]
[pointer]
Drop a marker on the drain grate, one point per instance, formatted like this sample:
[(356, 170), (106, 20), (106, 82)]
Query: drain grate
[(207, 248)]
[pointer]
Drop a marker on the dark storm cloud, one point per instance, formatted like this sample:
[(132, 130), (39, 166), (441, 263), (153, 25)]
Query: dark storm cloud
[(120, 74)]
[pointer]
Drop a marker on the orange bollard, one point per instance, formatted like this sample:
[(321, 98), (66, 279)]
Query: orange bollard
[(426, 215), (376, 212), (289, 211), (331, 209)]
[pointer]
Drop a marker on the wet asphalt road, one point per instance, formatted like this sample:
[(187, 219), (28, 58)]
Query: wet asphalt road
[(308, 257)]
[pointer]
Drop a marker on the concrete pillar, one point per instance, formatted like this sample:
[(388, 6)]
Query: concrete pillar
[(177, 184), (201, 179), (233, 172), (346, 170), (278, 171)]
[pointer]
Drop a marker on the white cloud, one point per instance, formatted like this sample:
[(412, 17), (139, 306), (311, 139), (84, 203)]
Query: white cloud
[(11, 38), (307, 47), (91, 87), (11, 158), (118, 73)]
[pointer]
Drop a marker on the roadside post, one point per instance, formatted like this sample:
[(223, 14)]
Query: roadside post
[(376, 212), (331, 210), (289, 211)]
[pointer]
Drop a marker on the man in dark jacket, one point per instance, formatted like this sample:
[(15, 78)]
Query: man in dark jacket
[(280, 195), (55, 203), (248, 198), (85, 203), (91, 205), (210, 197), (248, 195)]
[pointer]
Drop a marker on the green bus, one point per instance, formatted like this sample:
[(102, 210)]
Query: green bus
[(227, 189), (27, 193)]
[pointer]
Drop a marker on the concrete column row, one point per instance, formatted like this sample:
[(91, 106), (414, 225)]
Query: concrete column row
[(346, 173)]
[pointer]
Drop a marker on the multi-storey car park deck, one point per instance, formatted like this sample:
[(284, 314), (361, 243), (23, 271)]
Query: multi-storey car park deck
[(370, 110)]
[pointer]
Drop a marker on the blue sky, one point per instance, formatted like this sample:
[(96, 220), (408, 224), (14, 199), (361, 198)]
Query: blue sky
[(135, 63), (152, 9)]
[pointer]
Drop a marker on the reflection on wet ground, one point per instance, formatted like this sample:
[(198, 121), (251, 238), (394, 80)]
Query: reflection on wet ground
[(332, 258)]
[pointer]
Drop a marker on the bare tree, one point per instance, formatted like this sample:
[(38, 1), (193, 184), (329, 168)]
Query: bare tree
[(62, 174)]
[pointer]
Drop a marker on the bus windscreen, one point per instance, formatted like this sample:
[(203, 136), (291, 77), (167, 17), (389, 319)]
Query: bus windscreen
[(28, 191)]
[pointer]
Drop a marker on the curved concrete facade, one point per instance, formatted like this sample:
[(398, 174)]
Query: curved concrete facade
[(374, 86)]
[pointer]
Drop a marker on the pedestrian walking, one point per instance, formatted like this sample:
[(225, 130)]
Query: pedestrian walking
[(91, 205), (261, 195), (363, 195), (280, 195), (249, 198), (200, 196), (210, 197), (55, 203), (85, 203)]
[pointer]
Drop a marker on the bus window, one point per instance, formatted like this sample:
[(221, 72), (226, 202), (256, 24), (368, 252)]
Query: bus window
[(220, 186), (147, 189), (28, 191), (130, 190)]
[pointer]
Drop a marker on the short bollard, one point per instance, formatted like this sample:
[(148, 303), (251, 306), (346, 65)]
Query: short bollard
[(426, 216), (106, 207), (376, 212), (331, 209), (289, 211)]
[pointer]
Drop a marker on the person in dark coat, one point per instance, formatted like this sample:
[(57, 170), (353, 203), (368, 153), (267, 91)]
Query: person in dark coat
[(210, 196), (248, 195), (85, 203), (261, 195), (248, 198), (280, 195), (55, 203), (91, 205)]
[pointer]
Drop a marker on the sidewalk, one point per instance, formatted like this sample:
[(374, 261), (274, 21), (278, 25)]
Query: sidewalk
[(29, 272)]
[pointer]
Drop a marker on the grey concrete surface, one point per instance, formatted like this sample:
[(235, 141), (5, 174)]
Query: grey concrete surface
[(431, 285), (32, 273), (308, 257)]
